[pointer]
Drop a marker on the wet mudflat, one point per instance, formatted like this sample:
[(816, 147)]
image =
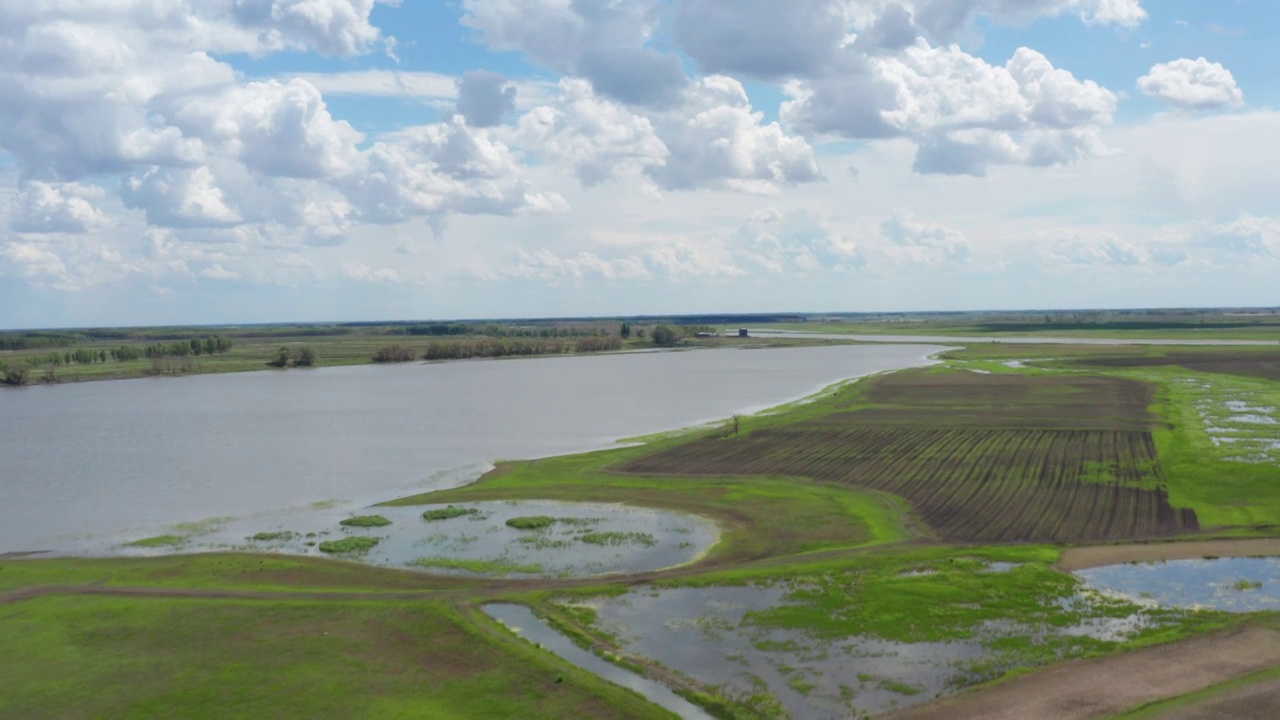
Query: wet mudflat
[(1248, 584)]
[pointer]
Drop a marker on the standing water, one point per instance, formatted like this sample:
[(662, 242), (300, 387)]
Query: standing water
[(108, 457)]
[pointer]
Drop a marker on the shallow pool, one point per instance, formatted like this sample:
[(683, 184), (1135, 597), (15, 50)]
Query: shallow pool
[(523, 622), (1230, 584), (578, 539)]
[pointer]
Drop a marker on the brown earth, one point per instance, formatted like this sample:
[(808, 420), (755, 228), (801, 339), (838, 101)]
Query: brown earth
[(981, 458), (1249, 363), (1102, 687), (1096, 556), (1256, 701)]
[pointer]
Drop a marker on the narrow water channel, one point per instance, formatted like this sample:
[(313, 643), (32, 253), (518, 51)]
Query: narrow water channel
[(524, 623)]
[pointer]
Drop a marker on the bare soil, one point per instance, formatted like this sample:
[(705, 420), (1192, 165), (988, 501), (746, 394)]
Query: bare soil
[(981, 458), (1096, 556), (1102, 687), (1257, 701), (1231, 361)]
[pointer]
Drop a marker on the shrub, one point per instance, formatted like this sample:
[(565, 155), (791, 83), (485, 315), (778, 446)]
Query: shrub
[(304, 356), (354, 544), (365, 521), (393, 353), (448, 513), (531, 522), (18, 374), (665, 335)]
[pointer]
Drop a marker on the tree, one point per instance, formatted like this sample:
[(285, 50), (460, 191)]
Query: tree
[(18, 374), (626, 330), (281, 358), (304, 356), (640, 333), (665, 336)]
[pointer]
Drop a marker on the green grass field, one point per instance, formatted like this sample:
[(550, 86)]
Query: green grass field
[(190, 658)]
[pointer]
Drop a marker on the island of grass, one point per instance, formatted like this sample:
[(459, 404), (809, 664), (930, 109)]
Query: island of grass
[(448, 513), (158, 541), (480, 567), (614, 537), (349, 545), (278, 536), (365, 521), (531, 522)]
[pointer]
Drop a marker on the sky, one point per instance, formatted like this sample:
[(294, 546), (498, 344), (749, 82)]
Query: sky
[(241, 161)]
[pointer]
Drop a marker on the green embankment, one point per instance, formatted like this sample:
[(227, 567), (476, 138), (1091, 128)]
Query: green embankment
[(155, 657)]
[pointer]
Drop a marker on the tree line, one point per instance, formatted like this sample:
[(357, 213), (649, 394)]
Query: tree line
[(496, 347), (304, 356)]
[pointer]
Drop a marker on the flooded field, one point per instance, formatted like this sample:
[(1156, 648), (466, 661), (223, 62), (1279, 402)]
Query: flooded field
[(525, 538), (719, 637), (1229, 584), (523, 622), (1240, 418)]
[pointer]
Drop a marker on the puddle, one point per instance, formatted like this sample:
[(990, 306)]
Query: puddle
[(1238, 419), (579, 539), (1251, 419), (1229, 584), (524, 623), (708, 634)]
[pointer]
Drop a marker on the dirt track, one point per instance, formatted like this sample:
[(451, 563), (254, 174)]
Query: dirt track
[(1101, 687), (1258, 701), (1099, 555)]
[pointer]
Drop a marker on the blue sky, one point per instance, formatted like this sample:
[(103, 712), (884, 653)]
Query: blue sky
[(350, 159)]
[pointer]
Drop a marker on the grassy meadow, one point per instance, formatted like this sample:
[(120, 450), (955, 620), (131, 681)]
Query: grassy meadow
[(876, 508)]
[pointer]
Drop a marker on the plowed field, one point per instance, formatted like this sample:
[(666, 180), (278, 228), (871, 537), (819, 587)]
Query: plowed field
[(981, 458), (1257, 363)]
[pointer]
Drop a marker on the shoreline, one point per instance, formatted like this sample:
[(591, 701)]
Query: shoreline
[(1093, 556), (456, 478)]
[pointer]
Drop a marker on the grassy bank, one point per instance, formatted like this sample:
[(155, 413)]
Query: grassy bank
[(155, 657), (255, 352)]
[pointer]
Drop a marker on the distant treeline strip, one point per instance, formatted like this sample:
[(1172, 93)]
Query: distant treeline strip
[(214, 344), (496, 347)]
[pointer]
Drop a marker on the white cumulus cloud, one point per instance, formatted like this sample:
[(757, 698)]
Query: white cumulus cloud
[(1192, 84), (963, 113), (604, 41), (57, 207)]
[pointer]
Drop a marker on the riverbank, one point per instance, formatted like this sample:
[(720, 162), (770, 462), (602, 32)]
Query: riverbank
[(1083, 558), (256, 355)]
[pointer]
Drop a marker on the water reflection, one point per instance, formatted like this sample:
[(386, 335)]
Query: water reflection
[(103, 457), (1230, 584), (522, 621)]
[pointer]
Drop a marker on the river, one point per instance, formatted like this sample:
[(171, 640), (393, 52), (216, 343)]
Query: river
[(97, 459)]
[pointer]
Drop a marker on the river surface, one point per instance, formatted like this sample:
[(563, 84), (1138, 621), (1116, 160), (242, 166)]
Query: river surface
[(99, 459), (1006, 339)]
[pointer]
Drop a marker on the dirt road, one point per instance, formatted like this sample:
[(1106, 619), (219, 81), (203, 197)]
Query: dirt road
[(1098, 555), (1102, 687)]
